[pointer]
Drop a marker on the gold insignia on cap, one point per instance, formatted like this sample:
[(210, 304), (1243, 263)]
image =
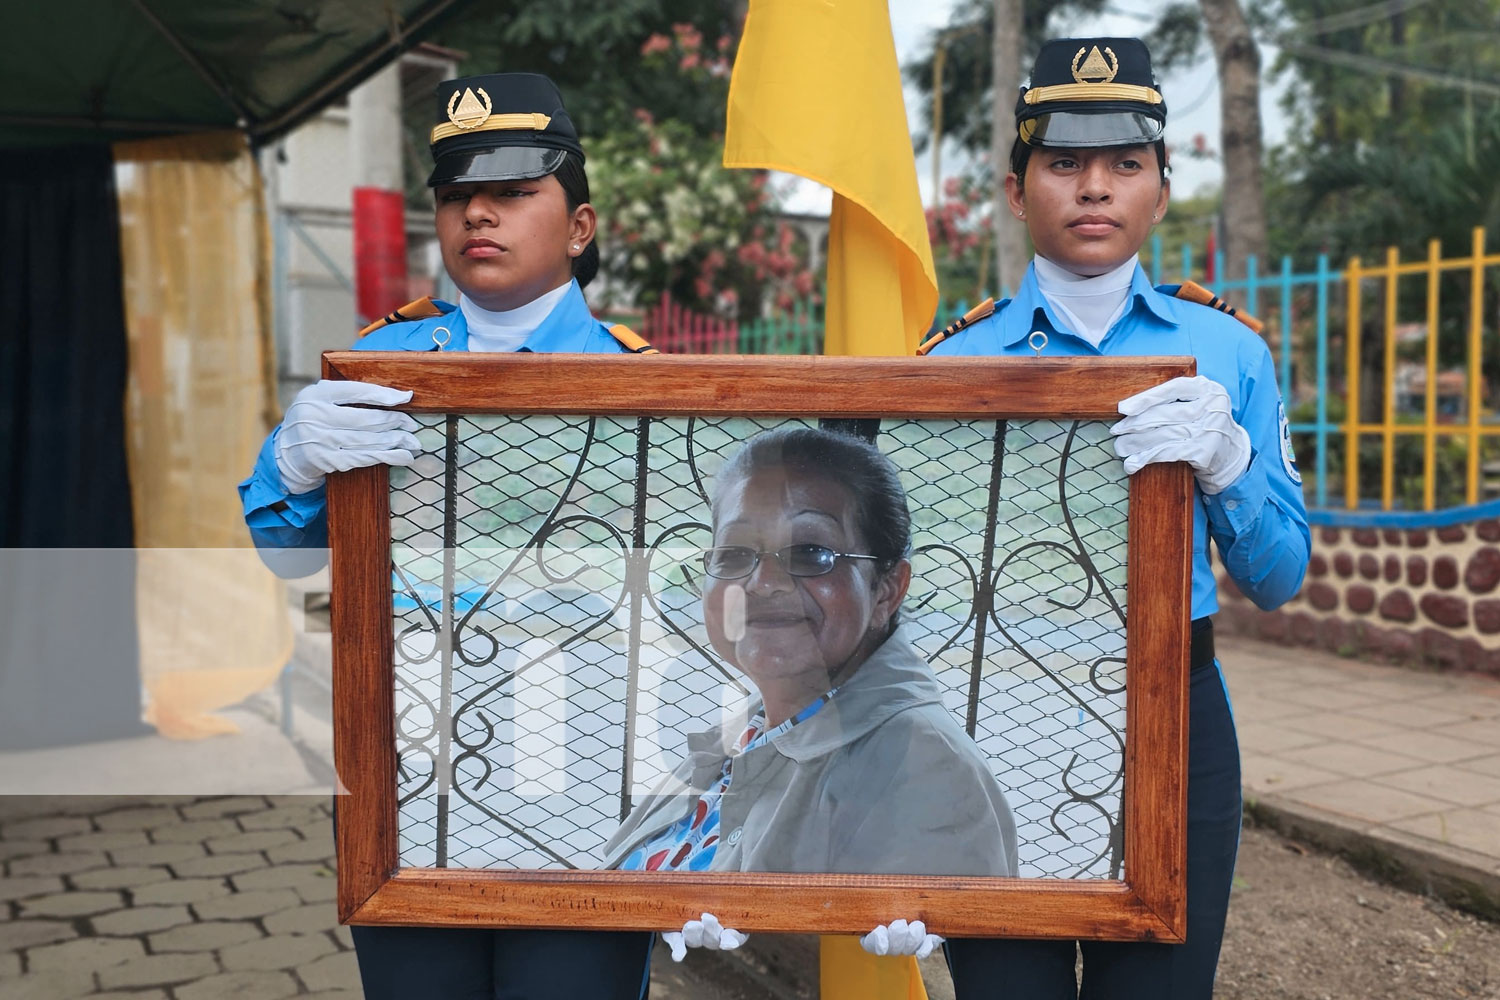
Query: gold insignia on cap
[(471, 111), (1095, 68), (520, 121)]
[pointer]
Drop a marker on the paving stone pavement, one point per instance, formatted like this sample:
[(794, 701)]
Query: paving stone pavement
[(1398, 767), (203, 898), (170, 898)]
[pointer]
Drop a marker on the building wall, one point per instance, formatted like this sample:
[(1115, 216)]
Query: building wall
[(310, 177)]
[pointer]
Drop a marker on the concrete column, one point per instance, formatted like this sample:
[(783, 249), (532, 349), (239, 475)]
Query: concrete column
[(375, 131), (815, 231)]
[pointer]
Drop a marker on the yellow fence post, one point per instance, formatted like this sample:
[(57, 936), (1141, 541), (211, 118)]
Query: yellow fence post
[(1429, 402), (1351, 374), (1476, 331), (1388, 427)]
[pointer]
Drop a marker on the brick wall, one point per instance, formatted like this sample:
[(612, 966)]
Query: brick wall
[(1425, 596)]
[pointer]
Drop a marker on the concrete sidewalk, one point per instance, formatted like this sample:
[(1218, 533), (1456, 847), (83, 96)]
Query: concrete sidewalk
[(1397, 768), (195, 899)]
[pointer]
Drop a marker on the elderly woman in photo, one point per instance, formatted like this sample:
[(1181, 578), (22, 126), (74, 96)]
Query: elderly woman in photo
[(849, 762)]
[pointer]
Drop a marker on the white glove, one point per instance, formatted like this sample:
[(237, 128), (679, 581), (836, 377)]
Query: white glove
[(322, 433), (705, 932), (900, 937), (1184, 420)]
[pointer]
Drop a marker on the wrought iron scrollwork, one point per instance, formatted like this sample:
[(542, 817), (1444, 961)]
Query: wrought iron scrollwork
[(545, 590)]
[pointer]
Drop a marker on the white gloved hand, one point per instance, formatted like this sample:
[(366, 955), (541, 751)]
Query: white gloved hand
[(705, 932), (1184, 420), (322, 433), (900, 937)]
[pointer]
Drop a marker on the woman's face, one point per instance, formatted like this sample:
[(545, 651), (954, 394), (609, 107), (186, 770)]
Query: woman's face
[(506, 242), (1089, 210), (779, 627)]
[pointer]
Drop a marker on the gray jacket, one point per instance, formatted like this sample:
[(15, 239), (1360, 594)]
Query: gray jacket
[(882, 780)]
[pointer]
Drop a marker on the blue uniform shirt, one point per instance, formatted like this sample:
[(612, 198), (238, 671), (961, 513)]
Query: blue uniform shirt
[(1259, 522), (300, 520)]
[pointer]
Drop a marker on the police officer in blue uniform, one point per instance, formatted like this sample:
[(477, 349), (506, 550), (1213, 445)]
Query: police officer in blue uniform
[(1088, 178), (516, 233)]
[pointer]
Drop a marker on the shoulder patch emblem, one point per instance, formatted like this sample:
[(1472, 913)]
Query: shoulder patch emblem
[(984, 310), (422, 308), (630, 340), (1288, 458), (1191, 291)]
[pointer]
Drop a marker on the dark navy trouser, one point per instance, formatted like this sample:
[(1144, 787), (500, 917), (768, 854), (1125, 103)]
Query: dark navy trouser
[(1045, 970), (449, 963)]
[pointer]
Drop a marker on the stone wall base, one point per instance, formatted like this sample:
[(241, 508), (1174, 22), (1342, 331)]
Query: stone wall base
[(1423, 595), (1426, 648)]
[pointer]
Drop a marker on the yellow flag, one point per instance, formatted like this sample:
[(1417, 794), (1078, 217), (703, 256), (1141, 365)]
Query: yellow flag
[(847, 972), (816, 92)]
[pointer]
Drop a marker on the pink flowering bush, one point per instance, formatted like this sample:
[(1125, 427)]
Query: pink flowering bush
[(673, 219), (960, 229)]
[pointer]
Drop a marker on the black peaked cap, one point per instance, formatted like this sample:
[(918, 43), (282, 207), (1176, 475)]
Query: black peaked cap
[(1086, 92), (500, 126)]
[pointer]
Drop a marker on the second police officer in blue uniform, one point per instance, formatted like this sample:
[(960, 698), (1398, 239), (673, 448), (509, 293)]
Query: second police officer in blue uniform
[(516, 233), (1088, 178)]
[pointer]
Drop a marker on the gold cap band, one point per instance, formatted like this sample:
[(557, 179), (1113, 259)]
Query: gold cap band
[(527, 121), (1093, 92)]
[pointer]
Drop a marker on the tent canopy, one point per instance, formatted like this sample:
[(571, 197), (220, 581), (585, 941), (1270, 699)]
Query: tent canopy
[(83, 71)]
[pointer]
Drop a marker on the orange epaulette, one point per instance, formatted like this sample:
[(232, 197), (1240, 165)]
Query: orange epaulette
[(422, 308), (1194, 292), (984, 310), (630, 340)]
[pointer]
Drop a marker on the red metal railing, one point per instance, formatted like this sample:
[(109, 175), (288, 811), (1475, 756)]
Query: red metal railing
[(672, 329)]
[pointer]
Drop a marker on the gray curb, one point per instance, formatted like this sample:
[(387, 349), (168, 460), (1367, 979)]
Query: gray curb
[(1461, 878)]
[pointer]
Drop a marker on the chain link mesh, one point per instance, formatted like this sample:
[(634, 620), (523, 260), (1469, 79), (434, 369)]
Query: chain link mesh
[(572, 659)]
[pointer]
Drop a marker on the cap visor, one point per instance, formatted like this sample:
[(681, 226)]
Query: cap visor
[(1071, 130), (497, 163)]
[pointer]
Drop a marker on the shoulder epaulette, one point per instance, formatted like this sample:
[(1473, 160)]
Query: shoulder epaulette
[(1194, 292), (630, 340), (984, 310), (422, 308)]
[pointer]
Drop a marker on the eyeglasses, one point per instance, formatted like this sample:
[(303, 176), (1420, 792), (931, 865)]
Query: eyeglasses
[(732, 562)]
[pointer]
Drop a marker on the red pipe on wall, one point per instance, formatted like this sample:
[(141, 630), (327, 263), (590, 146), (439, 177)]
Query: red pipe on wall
[(379, 252)]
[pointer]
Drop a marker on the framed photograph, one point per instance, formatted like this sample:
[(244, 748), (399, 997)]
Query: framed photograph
[(622, 647)]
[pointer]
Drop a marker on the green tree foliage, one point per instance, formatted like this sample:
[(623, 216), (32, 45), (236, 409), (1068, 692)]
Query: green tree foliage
[(967, 72), (647, 82), (674, 220), (1395, 140), (1395, 134), (593, 52), (1188, 221), (962, 238)]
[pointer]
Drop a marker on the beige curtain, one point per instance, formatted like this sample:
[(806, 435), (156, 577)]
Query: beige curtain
[(214, 626)]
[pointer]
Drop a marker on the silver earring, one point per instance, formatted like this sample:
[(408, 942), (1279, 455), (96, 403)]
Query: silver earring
[(576, 246), (1020, 215)]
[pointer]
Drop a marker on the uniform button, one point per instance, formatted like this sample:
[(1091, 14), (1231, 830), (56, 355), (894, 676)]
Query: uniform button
[(1231, 504), (735, 835)]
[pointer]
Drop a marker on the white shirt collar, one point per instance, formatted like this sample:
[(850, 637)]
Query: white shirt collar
[(1090, 303), (507, 330)]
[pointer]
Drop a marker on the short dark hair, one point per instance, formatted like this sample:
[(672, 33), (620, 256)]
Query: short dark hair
[(882, 516), (575, 185), (1020, 156)]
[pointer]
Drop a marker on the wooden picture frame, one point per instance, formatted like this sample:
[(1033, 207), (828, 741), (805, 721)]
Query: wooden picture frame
[(1148, 903)]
